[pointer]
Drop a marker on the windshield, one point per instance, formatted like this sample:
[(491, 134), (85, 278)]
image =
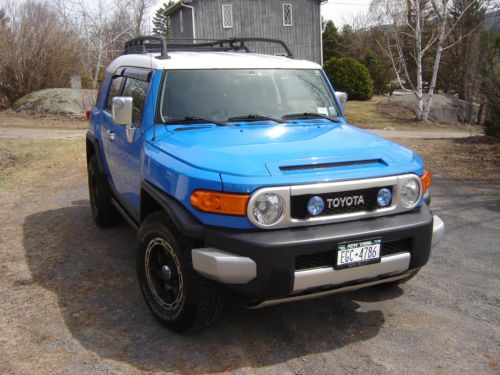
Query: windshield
[(224, 94)]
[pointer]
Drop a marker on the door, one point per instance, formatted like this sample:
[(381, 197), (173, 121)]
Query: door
[(108, 128), (125, 142)]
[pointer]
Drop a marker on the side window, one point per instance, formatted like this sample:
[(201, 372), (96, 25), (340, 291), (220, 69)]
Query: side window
[(287, 15), (114, 90), (137, 90), (227, 16)]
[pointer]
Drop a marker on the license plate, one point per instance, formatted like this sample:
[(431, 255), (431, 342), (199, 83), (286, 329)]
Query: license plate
[(353, 254)]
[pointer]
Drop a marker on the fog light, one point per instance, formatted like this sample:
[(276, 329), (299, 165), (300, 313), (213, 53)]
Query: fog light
[(384, 197), (315, 206)]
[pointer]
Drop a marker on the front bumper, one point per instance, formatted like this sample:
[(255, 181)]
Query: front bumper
[(261, 265)]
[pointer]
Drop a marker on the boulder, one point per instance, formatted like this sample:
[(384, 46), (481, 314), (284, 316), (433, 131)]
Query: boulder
[(60, 102)]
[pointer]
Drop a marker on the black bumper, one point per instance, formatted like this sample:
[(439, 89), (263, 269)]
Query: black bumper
[(275, 251)]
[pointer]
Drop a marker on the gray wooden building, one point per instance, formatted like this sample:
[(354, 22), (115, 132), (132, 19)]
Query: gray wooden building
[(296, 22)]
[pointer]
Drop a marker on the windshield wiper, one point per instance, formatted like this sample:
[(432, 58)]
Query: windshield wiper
[(194, 120), (255, 118), (312, 114)]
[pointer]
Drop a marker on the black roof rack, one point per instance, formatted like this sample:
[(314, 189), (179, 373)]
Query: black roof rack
[(155, 43), (147, 44)]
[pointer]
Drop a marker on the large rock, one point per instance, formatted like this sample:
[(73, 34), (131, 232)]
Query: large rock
[(62, 102), (445, 108)]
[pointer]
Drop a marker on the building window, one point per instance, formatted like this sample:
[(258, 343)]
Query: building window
[(227, 16), (287, 15), (181, 18)]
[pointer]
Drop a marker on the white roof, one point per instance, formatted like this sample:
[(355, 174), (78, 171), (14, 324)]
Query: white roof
[(210, 60)]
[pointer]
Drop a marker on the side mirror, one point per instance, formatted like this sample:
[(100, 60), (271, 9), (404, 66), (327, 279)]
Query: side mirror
[(121, 109), (342, 98)]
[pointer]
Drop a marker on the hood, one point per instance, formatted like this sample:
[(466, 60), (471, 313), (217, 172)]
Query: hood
[(268, 150)]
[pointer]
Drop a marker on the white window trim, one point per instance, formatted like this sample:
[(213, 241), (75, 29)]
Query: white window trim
[(181, 21), (291, 14), (224, 25)]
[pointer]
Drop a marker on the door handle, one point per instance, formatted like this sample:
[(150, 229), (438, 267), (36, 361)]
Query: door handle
[(111, 135)]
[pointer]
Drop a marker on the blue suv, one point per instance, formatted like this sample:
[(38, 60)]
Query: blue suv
[(242, 176)]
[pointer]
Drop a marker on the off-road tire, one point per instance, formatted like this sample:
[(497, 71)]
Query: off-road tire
[(198, 302), (104, 213)]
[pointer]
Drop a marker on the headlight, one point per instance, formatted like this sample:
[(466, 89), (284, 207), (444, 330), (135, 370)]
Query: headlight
[(410, 193), (267, 208)]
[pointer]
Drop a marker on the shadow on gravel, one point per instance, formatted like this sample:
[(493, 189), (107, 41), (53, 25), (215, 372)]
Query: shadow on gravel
[(92, 271)]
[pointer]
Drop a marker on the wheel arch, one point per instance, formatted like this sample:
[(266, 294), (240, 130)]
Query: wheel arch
[(92, 148), (153, 200)]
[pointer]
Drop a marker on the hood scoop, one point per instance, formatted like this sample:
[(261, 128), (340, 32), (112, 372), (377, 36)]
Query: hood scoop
[(289, 169)]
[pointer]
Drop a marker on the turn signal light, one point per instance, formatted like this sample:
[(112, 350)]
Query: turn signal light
[(219, 203), (426, 180)]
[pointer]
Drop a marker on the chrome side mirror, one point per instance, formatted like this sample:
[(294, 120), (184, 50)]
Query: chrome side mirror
[(121, 109), (341, 97)]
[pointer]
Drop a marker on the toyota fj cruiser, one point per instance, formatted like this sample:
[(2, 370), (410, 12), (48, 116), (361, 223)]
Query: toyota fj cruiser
[(242, 175)]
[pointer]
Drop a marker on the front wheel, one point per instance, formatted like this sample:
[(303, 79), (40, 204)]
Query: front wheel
[(175, 293)]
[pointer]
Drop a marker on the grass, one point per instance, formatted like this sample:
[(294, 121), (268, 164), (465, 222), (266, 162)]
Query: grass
[(10, 118), (468, 158), (371, 114)]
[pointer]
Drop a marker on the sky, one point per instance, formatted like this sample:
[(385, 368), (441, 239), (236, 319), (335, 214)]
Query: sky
[(340, 11)]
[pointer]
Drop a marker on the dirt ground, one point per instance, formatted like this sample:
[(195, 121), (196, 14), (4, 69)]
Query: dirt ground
[(70, 303)]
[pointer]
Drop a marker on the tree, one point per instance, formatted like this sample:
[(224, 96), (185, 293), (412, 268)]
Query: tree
[(378, 72), (161, 21), (332, 45), (138, 9), (461, 65), (3, 17), (491, 86), (38, 50), (406, 20), (351, 76)]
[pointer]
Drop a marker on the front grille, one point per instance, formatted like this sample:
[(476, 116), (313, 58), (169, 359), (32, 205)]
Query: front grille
[(298, 203), (289, 168), (394, 247), (323, 259), (328, 258)]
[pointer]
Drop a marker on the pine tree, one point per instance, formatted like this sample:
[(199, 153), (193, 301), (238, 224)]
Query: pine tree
[(161, 21), (332, 46)]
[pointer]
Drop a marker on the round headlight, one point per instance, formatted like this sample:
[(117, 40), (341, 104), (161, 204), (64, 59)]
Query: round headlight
[(315, 206), (384, 197), (410, 192), (267, 208)]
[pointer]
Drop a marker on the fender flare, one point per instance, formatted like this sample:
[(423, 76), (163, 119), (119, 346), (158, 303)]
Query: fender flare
[(91, 139), (182, 219)]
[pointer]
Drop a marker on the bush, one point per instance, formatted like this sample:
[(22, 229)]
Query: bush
[(351, 76)]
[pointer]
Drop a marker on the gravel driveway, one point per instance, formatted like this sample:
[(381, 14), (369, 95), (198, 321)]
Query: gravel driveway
[(70, 303)]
